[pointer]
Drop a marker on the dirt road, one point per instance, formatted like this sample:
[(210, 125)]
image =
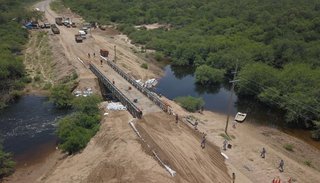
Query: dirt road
[(115, 153)]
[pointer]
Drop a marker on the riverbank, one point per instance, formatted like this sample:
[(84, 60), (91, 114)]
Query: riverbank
[(114, 154), (301, 164)]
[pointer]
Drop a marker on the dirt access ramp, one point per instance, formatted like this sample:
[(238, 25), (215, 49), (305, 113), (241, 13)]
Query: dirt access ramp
[(178, 146), (112, 155)]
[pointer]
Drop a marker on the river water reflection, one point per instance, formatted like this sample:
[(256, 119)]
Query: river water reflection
[(180, 81), (29, 125)]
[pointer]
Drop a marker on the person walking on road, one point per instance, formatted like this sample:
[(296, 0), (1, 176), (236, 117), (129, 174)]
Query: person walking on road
[(233, 177), (88, 55), (177, 118), (203, 141), (94, 54), (281, 165), (263, 153), (196, 125), (225, 143)]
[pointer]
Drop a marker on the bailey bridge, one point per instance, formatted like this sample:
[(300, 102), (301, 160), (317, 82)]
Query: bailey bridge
[(137, 99)]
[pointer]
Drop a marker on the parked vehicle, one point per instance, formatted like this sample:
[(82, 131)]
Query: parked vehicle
[(58, 20), (55, 29), (73, 24), (78, 38), (82, 34), (104, 52)]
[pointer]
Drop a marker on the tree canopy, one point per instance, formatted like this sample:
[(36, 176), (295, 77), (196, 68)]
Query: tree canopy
[(281, 39)]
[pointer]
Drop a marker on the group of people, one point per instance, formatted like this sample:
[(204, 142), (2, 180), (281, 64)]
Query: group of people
[(94, 55), (281, 163)]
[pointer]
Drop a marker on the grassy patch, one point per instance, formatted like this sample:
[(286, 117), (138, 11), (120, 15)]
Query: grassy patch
[(57, 6), (226, 137), (191, 104), (289, 147), (308, 163), (38, 60), (144, 65)]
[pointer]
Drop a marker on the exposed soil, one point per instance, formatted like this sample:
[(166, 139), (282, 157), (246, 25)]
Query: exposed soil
[(116, 155), (247, 142)]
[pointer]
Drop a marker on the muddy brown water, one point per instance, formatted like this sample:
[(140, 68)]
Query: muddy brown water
[(180, 81)]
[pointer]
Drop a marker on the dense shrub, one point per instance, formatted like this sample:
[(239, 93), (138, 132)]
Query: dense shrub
[(61, 96), (6, 163), (76, 129), (206, 75), (190, 103)]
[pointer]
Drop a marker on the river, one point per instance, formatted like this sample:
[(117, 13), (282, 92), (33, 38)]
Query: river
[(180, 81), (28, 128)]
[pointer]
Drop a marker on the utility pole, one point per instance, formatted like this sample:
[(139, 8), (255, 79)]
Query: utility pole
[(230, 99), (115, 53)]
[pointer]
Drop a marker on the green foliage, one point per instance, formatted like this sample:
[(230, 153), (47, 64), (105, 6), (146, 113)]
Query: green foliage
[(76, 129), (206, 75), (225, 136), (6, 163), (12, 40), (191, 104), (275, 43), (61, 96), (57, 6), (144, 65), (288, 147), (308, 163)]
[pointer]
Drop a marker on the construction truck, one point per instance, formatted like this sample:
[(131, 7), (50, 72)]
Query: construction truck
[(55, 29), (104, 52), (78, 38), (59, 21)]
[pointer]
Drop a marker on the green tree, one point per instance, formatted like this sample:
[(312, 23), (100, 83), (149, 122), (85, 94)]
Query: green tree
[(61, 96), (207, 75), (6, 163)]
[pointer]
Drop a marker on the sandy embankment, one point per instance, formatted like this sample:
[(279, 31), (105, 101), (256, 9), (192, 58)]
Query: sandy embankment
[(115, 154)]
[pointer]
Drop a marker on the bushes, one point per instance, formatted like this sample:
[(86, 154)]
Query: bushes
[(207, 75), (144, 65), (76, 129), (190, 103), (61, 96), (6, 163), (288, 147)]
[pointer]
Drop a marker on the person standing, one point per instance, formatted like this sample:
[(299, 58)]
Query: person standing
[(225, 143), (177, 118), (263, 153), (281, 165), (233, 177), (234, 124), (196, 125), (203, 141)]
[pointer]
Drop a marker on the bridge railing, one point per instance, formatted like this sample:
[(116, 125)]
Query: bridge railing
[(142, 89), (131, 107)]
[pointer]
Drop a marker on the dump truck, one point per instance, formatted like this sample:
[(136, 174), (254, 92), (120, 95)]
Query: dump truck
[(104, 52), (78, 38), (58, 21), (55, 29)]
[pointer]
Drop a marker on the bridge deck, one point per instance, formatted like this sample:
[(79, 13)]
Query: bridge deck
[(144, 103)]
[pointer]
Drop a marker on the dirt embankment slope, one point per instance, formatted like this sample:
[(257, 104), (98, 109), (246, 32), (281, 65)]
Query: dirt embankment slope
[(113, 155)]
